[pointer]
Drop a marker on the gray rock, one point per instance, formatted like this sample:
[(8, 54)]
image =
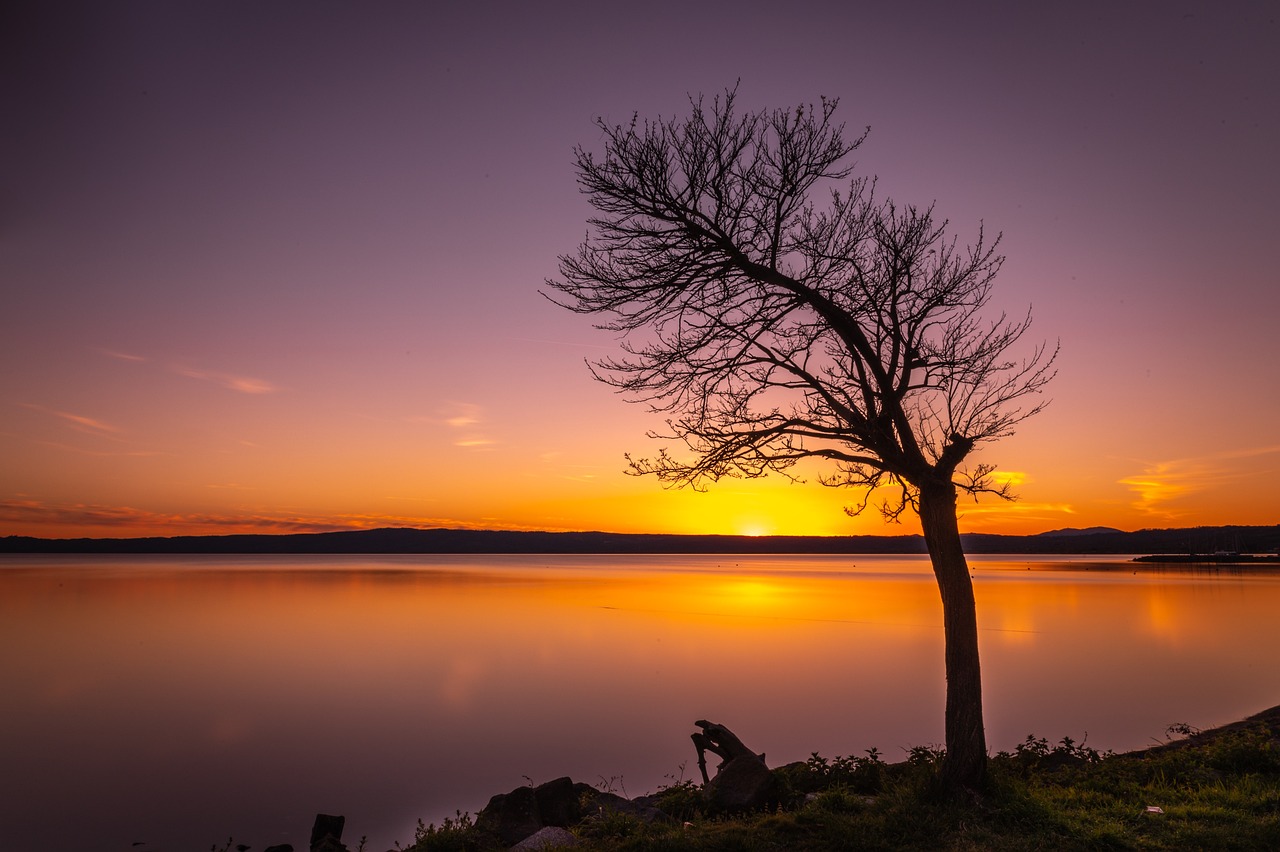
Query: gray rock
[(548, 837)]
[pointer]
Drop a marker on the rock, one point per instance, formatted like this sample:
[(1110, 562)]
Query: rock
[(744, 783), (329, 843), (560, 802), (326, 833), (638, 808), (511, 816), (548, 837)]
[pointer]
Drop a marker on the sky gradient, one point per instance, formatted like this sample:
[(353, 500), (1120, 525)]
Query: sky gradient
[(276, 267)]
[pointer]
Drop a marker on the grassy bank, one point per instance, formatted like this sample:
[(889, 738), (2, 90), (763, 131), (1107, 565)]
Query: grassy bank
[(1217, 789)]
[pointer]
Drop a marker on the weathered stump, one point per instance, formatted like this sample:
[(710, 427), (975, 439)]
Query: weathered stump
[(742, 782), (721, 741)]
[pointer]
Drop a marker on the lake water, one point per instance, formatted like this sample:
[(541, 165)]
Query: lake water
[(167, 703)]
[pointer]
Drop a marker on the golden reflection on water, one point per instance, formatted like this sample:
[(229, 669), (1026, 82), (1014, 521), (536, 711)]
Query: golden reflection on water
[(393, 688)]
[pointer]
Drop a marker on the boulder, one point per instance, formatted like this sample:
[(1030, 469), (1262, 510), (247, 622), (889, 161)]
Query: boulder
[(326, 833), (561, 801), (330, 844), (547, 837), (511, 816), (743, 783), (639, 807)]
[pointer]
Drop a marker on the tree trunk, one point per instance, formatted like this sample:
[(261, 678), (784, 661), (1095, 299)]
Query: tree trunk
[(964, 768)]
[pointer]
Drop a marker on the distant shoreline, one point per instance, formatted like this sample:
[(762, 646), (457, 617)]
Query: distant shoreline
[(1195, 544), (1211, 559)]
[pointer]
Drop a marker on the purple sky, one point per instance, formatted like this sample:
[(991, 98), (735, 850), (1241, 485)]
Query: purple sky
[(276, 265)]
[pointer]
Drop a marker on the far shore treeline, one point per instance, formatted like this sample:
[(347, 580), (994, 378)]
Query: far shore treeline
[(1097, 540)]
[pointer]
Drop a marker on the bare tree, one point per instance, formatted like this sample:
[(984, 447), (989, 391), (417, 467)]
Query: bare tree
[(772, 330)]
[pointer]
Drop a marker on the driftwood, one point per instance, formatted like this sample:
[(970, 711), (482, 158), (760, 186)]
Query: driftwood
[(721, 741)]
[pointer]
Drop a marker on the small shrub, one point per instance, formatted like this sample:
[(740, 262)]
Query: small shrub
[(613, 784), (841, 800), (1035, 753), (609, 824), (681, 799), (455, 834), (929, 756), (1246, 752), (859, 774)]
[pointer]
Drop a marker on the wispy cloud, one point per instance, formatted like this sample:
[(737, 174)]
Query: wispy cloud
[(230, 381), (36, 511), (86, 423), (80, 519), (240, 384), (465, 418), (84, 451), (121, 356), (1160, 483), (462, 421), (566, 471), (1019, 508), (460, 415), (1011, 478), (79, 422)]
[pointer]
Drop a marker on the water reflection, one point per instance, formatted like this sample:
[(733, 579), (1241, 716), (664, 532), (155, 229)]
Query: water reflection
[(176, 701)]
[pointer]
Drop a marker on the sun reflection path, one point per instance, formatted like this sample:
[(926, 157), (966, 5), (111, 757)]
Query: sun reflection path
[(751, 600)]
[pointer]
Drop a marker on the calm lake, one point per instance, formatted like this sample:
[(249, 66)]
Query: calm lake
[(167, 703)]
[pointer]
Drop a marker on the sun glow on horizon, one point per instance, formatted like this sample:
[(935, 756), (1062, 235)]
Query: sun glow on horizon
[(283, 495)]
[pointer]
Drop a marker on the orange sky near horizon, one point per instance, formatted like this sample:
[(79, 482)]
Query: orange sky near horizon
[(299, 291)]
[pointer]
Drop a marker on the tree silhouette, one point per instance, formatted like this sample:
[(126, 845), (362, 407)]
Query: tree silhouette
[(772, 330)]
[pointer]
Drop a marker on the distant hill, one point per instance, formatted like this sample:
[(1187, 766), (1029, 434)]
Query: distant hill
[(1077, 531), (1097, 540)]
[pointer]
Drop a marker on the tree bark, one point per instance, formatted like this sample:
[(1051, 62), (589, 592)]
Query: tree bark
[(964, 768)]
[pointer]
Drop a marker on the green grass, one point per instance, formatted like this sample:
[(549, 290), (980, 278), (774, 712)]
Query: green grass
[(1219, 790)]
